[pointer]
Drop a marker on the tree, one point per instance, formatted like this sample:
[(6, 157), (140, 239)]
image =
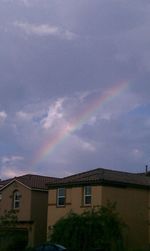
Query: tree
[(97, 228), (11, 237), (8, 219)]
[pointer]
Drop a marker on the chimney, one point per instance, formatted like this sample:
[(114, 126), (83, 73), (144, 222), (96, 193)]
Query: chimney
[(146, 169), (147, 172)]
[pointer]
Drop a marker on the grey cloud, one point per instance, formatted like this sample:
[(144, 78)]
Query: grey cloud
[(45, 30), (74, 50), (3, 116)]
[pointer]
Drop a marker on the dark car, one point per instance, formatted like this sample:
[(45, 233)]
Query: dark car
[(51, 247)]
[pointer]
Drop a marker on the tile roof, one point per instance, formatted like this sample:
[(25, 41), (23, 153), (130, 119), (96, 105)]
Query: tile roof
[(5, 182), (30, 180), (103, 176)]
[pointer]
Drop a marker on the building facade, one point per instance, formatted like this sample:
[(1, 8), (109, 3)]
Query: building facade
[(27, 195), (83, 191)]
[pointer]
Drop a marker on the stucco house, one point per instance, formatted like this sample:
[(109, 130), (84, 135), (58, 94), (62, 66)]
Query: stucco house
[(86, 190), (28, 196)]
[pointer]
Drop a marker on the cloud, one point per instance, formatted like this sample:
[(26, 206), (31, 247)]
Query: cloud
[(11, 159), (45, 122), (45, 30), (59, 120), (10, 166), (11, 172), (82, 141), (87, 146), (24, 115), (3, 116), (55, 114), (66, 116), (137, 154), (26, 3)]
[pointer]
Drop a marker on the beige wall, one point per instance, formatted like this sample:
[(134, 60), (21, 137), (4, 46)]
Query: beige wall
[(7, 200), (132, 204), (33, 207), (149, 216), (74, 201), (39, 215), (24, 212)]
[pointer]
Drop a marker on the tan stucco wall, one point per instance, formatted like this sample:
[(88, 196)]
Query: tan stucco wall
[(33, 208), (132, 204), (149, 216), (7, 200), (24, 212), (39, 215), (74, 201)]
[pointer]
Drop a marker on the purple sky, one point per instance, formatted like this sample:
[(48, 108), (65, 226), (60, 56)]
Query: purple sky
[(56, 58)]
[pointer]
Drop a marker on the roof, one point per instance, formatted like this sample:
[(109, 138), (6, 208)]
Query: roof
[(104, 177), (30, 180)]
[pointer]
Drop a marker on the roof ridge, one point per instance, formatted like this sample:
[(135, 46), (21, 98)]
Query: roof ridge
[(103, 175), (80, 173), (97, 169), (34, 175), (32, 181), (118, 171)]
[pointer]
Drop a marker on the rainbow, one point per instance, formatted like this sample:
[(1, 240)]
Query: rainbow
[(50, 145)]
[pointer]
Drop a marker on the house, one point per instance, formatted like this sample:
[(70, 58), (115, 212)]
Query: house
[(86, 190), (27, 195)]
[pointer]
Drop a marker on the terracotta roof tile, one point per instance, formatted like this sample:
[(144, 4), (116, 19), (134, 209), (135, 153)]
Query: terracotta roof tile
[(31, 180), (5, 182), (104, 176)]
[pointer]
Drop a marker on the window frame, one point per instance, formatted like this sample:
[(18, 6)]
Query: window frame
[(87, 195), (60, 197), (16, 199)]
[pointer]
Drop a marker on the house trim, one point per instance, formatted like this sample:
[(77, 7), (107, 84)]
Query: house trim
[(30, 188)]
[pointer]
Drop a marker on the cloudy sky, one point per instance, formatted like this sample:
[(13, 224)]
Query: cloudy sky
[(74, 86)]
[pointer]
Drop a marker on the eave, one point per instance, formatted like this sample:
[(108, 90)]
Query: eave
[(102, 182)]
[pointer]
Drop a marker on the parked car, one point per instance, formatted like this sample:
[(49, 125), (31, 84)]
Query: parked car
[(51, 247)]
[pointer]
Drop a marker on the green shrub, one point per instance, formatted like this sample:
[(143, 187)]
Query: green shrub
[(97, 228)]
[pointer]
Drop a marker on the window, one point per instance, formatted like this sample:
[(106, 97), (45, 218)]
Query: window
[(61, 197), (16, 200), (87, 195)]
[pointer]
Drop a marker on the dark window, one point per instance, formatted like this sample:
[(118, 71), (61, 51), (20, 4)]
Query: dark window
[(87, 195), (16, 200), (61, 197)]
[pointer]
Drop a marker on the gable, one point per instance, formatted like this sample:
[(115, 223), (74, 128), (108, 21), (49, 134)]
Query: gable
[(14, 183)]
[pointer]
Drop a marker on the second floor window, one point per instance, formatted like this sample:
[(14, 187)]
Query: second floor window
[(87, 195), (61, 197), (16, 200)]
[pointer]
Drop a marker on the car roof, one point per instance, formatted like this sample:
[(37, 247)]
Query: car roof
[(50, 245)]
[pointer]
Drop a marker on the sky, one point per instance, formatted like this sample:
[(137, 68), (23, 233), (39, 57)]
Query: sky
[(74, 86)]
